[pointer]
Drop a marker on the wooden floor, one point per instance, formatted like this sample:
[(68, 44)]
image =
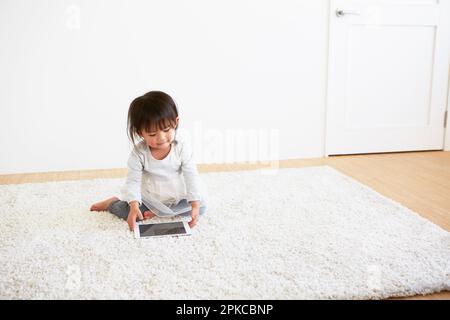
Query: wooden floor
[(418, 180)]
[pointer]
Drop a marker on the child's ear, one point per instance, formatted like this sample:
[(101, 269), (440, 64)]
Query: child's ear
[(176, 124)]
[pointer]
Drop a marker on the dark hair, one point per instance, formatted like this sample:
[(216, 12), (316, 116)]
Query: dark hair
[(155, 109)]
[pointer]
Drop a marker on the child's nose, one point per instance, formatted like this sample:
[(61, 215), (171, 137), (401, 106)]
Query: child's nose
[(161, 136)]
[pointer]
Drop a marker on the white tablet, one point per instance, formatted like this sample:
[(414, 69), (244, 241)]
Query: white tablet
[(152, 230)]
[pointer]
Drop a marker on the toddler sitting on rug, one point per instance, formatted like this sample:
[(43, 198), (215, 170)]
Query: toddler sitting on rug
[(162, 178)]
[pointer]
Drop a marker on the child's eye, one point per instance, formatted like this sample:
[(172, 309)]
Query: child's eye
[(154, 134)]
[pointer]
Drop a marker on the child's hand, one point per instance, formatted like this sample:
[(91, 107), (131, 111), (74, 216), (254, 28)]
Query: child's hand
[(194, 215), (132, 215)]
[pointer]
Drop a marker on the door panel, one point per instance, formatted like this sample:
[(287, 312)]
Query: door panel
[(388, 75)]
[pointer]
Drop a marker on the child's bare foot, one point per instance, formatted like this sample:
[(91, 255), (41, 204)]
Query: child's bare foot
[(103, 205), (148, 214)]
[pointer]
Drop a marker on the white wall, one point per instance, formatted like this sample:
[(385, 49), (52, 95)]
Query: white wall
[(69, 70)]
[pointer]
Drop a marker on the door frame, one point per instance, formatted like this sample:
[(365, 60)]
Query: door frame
[(447, 128)]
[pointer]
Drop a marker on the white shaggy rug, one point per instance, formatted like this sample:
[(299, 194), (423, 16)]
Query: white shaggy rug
[(305, 233)]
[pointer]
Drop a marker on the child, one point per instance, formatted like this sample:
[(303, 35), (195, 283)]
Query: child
[(162, 177)]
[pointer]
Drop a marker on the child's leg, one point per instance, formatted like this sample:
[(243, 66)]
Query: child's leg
[(103, 205), (184, 208), (122, 208), (188, 214)]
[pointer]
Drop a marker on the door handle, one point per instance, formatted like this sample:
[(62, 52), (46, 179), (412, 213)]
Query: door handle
[(340, 13)]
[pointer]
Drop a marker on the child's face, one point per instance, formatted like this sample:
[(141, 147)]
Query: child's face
[(159, 139)]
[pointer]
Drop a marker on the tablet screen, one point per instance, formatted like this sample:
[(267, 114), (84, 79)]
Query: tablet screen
[(161, 229)]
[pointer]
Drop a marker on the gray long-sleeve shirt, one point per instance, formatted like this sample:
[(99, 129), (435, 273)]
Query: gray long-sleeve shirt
[(162, 182)]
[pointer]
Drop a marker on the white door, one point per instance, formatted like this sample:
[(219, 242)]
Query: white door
[(388, 72)]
